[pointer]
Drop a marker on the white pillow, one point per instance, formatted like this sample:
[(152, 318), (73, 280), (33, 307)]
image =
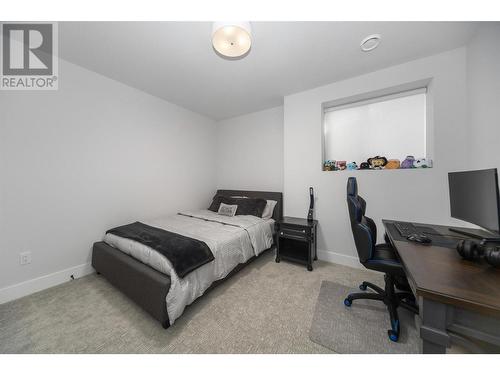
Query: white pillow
[(269, 209), (227, 209)]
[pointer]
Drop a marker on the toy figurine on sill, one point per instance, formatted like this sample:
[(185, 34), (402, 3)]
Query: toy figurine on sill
[(377, 162), (341, 165), (422, 163), (392, 164), (364, 165), (329, 165), (408, 162), (352, 166)]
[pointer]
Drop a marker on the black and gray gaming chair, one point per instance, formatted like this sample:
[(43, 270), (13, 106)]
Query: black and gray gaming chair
[(380, 258)]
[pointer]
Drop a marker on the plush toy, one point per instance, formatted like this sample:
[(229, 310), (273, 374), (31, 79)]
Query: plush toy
[(378, 162), (352, 166), (422, 163), (392, 164), (364, 165), (329, 165), (341, 165), (408, 162)]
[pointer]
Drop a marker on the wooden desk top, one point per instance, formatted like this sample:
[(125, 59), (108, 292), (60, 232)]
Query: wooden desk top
[(440, 274)]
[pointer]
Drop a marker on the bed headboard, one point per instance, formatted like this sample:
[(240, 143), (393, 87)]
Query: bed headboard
[(273, 195)]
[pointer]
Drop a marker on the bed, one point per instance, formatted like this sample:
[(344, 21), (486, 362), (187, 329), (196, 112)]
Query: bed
[(144, 275)]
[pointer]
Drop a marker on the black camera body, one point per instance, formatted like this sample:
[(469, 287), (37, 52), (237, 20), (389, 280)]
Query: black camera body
[(474, 250)]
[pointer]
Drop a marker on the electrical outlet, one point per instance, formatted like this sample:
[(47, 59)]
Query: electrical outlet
[(25, 258)]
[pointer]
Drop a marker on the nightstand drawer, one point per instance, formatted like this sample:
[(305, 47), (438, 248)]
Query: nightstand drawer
[(294, 232)]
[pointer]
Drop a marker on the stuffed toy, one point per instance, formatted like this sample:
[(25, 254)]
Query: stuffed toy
[(341, 165), (408, 162), (422, 163), (329, 165), (364, 165), (352, 166), (378, 162), (392, 164)]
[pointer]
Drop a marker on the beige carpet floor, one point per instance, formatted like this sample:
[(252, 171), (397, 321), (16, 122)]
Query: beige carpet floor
[(265, 308)]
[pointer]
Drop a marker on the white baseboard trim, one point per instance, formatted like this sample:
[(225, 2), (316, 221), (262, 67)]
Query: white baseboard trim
[(25, 288), (28, 287), (345, 260)]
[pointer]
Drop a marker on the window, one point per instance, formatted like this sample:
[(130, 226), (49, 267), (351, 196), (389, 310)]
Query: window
[(393, 126)]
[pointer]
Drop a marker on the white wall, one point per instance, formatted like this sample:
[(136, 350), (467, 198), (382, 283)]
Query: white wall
[(92, 155), (250, 151), (416, 195), (483, 87)]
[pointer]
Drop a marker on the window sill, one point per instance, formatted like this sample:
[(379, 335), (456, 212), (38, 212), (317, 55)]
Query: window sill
[(377, 170)]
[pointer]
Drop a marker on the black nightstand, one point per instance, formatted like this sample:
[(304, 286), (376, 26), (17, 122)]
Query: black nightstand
[(297, 241)]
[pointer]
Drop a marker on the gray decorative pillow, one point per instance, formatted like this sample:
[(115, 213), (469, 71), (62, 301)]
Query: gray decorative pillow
[(227, 209), (214, 206)]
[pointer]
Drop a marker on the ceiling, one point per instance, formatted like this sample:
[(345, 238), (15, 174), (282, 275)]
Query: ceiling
[(175, 60)]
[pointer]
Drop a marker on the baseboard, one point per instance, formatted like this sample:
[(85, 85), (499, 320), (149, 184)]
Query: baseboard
[(25, 288), (345, 260)]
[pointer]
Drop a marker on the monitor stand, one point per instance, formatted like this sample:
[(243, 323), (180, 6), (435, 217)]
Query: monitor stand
[(477, 233)]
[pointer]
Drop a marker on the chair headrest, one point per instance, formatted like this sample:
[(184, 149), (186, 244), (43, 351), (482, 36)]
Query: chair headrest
[(355, 209), (352, 186)]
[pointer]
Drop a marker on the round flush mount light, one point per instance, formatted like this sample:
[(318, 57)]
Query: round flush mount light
[(370, 42), (232, 39)]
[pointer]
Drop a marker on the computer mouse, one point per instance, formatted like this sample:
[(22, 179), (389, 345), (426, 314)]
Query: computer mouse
[(419, 238)]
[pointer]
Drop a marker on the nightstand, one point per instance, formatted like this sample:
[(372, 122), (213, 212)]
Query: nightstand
[(297, 241)]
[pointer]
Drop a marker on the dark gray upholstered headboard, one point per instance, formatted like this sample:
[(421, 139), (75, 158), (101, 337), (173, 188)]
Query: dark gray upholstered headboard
[(275, 196)]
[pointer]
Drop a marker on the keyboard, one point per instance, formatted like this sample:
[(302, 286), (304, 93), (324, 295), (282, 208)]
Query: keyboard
[(405, 229)]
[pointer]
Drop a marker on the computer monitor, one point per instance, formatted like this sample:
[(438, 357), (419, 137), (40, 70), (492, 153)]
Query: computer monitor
[(474, 198)]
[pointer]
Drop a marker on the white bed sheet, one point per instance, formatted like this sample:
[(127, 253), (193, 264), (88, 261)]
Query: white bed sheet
[(232, 240)]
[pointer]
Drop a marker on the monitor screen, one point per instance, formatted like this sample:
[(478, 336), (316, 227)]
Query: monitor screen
[(474, 197)]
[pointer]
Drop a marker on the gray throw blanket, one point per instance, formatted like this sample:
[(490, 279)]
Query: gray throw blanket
[(186, 254)]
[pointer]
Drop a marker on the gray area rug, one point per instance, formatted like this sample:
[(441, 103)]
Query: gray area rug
[(361, 328)]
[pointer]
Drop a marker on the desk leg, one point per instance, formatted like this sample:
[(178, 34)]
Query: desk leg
[(433, 333)]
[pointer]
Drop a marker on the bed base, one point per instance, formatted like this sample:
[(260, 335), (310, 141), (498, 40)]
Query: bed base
[(144, 285)]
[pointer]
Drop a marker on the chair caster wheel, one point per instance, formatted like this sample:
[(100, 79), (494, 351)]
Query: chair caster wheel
[(309, 268), (393, 335), (347, 302), (362, 287), (277, 260)]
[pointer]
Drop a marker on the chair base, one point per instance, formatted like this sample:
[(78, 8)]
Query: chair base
[(390, 298)]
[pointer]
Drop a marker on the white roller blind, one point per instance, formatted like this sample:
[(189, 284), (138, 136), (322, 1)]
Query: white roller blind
[(393, 126)]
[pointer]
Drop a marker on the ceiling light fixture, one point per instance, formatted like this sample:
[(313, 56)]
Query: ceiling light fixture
[(370, 42), (232, 39)]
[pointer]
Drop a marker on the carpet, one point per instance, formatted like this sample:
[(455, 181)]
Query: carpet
[(361, 328), (265, 308)]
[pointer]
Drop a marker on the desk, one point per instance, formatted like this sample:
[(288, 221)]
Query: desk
[(458, 299)]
